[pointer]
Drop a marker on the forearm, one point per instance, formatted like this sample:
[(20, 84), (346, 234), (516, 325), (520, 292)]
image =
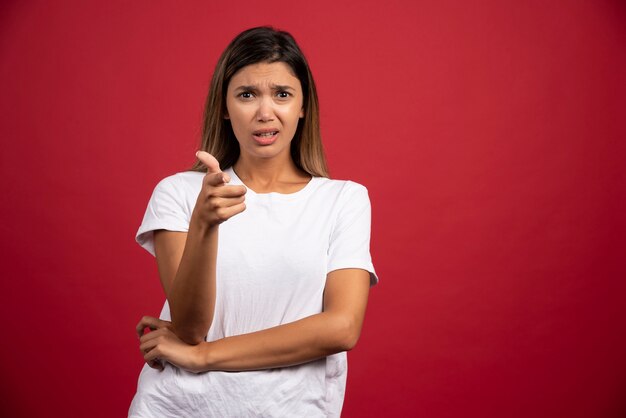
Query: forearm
[(297, 342), (191, 296), (334, 330)]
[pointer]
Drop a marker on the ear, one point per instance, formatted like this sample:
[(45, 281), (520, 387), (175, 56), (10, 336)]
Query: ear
[(226, 115), (301, 113)]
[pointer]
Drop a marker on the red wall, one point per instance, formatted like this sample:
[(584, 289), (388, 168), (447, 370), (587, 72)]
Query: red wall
[(492, 138)]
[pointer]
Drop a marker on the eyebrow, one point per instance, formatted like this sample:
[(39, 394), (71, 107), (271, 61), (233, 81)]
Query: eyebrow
[(273, 86)]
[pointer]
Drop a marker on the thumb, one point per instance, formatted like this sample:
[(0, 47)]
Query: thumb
[(212, 165)]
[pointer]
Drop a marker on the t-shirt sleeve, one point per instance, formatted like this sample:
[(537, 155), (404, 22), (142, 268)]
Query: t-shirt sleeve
[(350, 238), (166, 210)]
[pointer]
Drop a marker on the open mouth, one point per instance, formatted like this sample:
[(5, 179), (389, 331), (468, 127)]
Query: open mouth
[(266, 134)]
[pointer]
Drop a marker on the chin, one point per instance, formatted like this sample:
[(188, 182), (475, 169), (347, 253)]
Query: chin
[(266, 152)]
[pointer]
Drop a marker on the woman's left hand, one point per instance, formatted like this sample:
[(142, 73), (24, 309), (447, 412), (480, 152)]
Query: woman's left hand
[(162, 344)]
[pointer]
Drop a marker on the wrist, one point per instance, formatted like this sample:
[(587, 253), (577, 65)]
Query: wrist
[(205, 357), (202, 226)]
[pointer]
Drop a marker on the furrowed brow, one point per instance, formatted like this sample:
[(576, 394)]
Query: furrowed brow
[(281, 87), (246, 88), (272, 86)]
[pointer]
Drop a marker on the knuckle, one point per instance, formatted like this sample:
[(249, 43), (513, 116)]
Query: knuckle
[(209, 191), (221, 214), (216, 178)]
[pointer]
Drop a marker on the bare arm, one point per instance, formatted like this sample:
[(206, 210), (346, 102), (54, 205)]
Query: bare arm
[(187, 261), (334, 330)]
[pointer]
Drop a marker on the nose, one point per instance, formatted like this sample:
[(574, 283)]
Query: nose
[(265, 111)]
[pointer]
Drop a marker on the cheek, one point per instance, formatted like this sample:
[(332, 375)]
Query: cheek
[(293, 114), (238, 117)]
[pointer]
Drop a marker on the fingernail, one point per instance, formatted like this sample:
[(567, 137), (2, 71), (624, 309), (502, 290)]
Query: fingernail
[(197, 152)]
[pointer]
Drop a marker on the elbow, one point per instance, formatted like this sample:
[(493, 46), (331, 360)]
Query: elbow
[(348, 334), (347, 345), (192, 339), (350, 342), (190, 336), (191, 332)]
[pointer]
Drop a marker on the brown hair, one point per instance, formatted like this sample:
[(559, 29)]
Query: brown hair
[(262, 44)]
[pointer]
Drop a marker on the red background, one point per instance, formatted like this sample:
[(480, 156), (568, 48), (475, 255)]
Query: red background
[(491, 136)]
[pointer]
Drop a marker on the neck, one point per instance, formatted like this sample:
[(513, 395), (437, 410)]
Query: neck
[(269, 174)]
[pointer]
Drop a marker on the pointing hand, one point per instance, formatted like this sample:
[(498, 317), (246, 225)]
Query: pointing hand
[(217, 202)]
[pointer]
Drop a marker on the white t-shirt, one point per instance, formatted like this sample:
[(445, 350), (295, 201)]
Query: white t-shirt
[(272, 263)]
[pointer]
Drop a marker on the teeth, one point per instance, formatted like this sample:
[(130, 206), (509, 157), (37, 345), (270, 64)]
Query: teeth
[(267, 134)]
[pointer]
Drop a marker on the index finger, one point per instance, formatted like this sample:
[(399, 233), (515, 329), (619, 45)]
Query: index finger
[(217, 179), (211, 163)]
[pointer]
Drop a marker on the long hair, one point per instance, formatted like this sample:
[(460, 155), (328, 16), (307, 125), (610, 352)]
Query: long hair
[(262, 44)]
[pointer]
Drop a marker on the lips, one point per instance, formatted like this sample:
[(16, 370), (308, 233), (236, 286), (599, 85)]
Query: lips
[(265, 132), (265, 136)]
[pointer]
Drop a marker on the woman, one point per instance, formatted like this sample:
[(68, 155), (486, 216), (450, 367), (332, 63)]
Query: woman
[(264, 260)]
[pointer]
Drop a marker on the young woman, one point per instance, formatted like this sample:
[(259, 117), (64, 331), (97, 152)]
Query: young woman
[(264, 260)]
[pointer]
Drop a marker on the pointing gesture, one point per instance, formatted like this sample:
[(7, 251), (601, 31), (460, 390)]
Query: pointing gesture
[(213, 166), (217, 202)]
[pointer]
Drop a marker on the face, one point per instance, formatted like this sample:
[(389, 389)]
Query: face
[(264, 103)]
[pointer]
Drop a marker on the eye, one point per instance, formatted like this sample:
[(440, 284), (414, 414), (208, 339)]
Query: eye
[(245, 95), (283, 94)]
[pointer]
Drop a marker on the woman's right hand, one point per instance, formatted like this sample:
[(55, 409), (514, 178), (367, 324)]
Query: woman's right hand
[(217, 202)]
